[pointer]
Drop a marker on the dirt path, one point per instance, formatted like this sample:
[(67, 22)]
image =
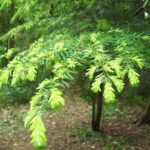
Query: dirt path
[(70, 130)]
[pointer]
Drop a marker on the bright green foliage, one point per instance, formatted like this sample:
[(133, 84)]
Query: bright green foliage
[(138, 61), (91, 72), (31, 73), (56, 42), (109, 94), (118, 83), (133, 77), (35, 99), (56, 101), (38, 132), (103, 25), (4, 77), (5, 3), (35, 125), (96, 84)]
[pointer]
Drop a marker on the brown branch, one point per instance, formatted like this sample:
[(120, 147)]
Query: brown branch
[(140, 8)]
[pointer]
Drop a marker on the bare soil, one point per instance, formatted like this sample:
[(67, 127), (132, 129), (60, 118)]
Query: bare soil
[(70, 129)]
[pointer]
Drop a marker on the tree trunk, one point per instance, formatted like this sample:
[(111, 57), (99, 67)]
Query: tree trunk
[(11, 40), (97, 110), (51, 11), (11, 43), (146, 116)]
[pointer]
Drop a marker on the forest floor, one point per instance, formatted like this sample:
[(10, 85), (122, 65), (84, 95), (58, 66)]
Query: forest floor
[(69, 129)]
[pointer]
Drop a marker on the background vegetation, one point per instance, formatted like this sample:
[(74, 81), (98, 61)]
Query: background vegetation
[(49, 47)]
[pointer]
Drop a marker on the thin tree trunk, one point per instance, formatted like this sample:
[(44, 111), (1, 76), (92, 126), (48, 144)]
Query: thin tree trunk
[(146, 116), (11, 40), (11, 43), (97, 110)]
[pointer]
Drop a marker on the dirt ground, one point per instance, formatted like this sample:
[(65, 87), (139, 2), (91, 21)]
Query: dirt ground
[(70, 129)]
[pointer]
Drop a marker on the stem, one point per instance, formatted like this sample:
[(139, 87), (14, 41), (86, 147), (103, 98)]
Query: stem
[(97, 110)]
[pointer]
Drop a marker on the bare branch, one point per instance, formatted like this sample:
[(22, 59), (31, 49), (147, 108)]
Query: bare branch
[(140, 8)]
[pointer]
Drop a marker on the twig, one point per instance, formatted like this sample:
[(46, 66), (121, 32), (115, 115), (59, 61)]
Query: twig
[(140, 8)]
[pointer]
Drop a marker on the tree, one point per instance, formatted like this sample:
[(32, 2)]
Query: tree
[(65, 37)]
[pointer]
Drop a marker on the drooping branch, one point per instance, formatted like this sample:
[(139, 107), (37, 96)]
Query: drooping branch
[(140, 8)]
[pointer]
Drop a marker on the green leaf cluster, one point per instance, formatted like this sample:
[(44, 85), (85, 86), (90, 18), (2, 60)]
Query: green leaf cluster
[(58, 41)]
